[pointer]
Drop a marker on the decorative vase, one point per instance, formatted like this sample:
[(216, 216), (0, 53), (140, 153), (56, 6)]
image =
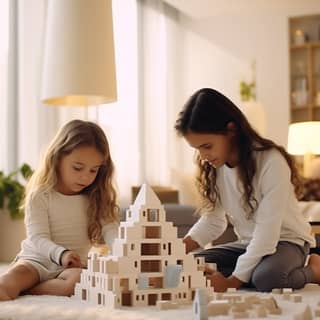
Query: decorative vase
[(12, 232)]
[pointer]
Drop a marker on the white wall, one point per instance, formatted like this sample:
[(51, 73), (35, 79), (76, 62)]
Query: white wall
[(219, 53), (219, 45)]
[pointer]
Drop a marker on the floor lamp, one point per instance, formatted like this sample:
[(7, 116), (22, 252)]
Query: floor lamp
[(304, 140), (79, 61)]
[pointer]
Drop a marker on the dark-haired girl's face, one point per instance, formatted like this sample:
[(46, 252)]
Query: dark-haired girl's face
[(216, 149)]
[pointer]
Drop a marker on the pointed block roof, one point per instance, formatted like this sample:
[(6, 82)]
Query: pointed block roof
[(146, 196)]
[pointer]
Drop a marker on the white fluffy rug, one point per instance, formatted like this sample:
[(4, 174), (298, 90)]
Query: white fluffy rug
[(52, 308), (63, 308)]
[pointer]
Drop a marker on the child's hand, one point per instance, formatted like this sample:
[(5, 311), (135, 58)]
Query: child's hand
[(220, 283), (71, 259), (190, 244), (208, 271)]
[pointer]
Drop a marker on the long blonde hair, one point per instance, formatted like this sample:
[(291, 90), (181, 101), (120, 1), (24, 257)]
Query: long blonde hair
[(101, 193)]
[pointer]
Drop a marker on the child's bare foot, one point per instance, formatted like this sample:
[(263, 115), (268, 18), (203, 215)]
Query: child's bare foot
[(314, 264)]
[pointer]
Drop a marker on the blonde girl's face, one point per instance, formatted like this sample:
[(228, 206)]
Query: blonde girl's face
[(216, 149), (78, 170)]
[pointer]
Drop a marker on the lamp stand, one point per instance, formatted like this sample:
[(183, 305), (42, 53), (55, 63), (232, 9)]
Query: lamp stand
[(85, 113), (307, 158), (97, 113)]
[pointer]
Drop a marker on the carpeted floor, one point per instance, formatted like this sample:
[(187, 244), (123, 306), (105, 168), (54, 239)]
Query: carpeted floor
[(63, 308)]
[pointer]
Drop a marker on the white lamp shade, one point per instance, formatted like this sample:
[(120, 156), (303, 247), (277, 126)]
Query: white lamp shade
[(79, 62), (304, 137)]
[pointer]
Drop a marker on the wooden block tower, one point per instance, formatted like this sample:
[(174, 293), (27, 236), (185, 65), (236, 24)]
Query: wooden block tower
[(148, 262)]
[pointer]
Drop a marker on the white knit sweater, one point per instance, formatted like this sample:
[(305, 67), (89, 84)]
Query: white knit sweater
[(55, 222), (277, 218)]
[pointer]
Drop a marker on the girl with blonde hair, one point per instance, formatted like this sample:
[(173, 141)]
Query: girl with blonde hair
[(70, 204)]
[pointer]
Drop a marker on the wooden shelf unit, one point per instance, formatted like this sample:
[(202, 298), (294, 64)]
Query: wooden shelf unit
[(304, 68)]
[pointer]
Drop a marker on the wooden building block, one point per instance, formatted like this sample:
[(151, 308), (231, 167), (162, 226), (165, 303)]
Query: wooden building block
[(261, 312), (218, 307), (296, 297), (317, 312), (276, 291), (240, 315), (148, 264), (166, 305)]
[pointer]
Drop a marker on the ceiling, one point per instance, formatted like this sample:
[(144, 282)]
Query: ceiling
[(208, 8)]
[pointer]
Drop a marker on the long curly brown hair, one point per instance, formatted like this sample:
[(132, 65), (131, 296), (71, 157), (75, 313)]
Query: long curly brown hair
[(208, 112), (101, 193)]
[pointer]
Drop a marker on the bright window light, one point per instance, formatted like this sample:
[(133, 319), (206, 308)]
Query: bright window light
[(4, 47)]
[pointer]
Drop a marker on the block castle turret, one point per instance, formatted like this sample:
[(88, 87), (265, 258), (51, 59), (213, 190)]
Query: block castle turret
[(148, 262)]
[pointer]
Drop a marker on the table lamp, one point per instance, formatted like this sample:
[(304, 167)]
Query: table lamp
[(304, 139), (79, 62)]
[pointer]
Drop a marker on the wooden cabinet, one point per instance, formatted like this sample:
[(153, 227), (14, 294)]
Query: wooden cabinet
[(304, 54)]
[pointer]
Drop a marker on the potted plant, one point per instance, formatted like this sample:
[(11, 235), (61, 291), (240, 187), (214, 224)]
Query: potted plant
[(252, 109), (247, 90), (12, 230), (12, 191)]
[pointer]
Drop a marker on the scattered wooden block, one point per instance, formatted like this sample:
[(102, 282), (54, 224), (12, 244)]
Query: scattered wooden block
[(287, 290), (277, 291), (166, 305), (231, 297), (286, 296), (240, 315), (296, 297), (317, 312), (218, 307), (261, 312)]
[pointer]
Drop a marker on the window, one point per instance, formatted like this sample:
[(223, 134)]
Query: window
[(122, 232), (4, 55), (120, 119), (153, 215)]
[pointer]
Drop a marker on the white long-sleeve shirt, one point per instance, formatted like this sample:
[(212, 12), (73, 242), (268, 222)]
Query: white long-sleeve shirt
[(277, 218), (56, 222)]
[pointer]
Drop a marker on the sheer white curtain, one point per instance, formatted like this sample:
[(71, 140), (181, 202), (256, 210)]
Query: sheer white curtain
[(25, 124), (159, 66), (4, 60), (30, 125), (139, 126), (36, 123), (120, 119), (167, 160)]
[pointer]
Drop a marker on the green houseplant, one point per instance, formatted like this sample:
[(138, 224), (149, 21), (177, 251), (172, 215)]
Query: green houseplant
[(12, 191), (247, 90)]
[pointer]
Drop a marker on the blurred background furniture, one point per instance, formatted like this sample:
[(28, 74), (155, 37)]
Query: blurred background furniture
[(164, 193)]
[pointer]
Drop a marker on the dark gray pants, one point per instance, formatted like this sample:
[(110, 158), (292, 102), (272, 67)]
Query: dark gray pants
[(283, 269)]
